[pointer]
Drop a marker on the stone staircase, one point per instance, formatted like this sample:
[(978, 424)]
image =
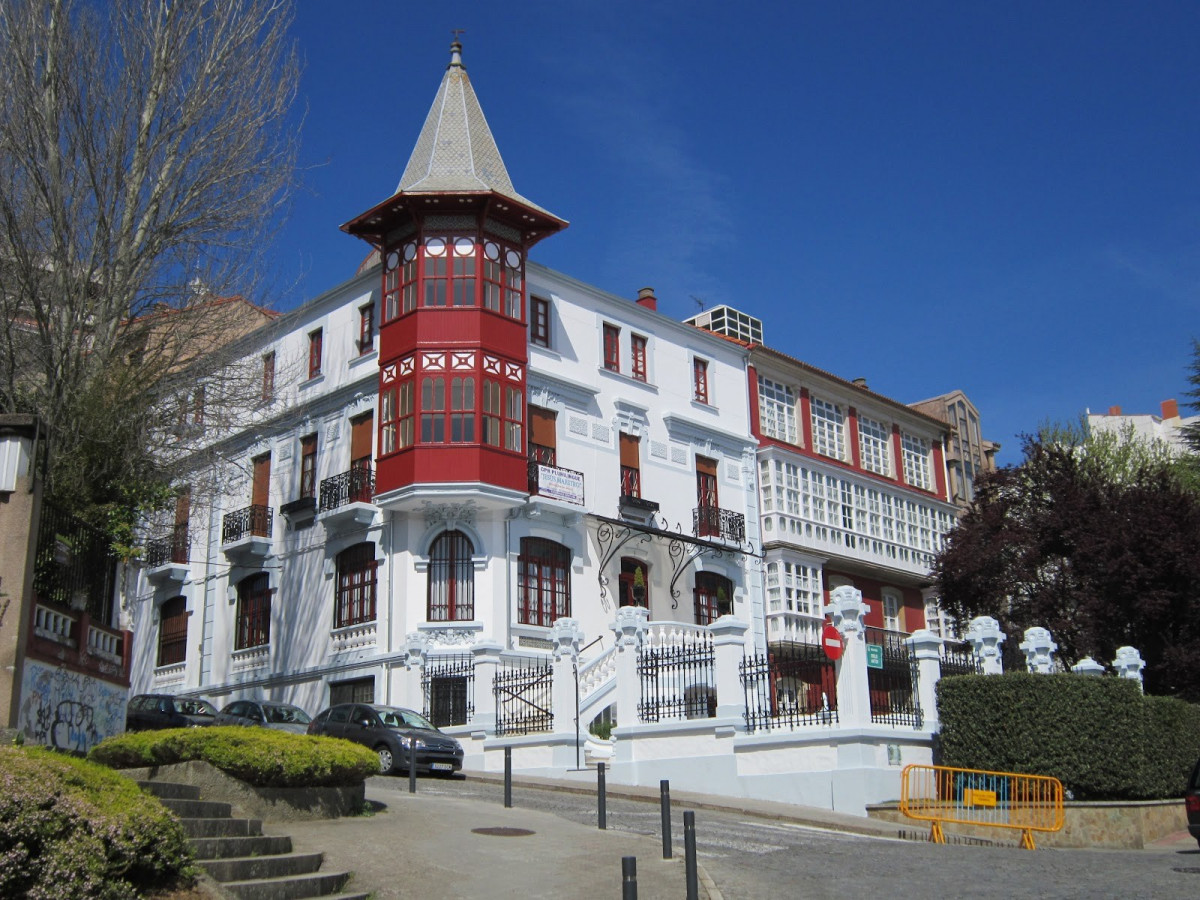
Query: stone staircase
[(242, 861)]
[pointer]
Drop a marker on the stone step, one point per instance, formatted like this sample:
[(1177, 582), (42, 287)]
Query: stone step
[(298, 887), (170, 790), (249, 845), (225, 827), (255, 868), (198, 809)]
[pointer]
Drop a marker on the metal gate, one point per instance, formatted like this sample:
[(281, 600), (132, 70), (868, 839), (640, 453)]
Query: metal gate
[(522, 688)]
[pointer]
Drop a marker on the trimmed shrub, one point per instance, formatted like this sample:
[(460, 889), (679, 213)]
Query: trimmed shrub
[(1171, 746), (259, 756), (1100, 737), (74, 830)]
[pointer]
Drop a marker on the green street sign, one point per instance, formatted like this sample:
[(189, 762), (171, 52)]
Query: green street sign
[(874, 656)]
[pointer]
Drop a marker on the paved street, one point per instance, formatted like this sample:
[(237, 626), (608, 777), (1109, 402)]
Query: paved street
[(748, 857)]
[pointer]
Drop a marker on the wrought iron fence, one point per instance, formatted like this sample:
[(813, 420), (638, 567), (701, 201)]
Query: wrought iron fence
[(792, 684), (892, 687), (958, 658), (712, 521), (522, 688), (174, 548), (356, 485), (253, 520), (74, 565), (448, 685), (678, 681)]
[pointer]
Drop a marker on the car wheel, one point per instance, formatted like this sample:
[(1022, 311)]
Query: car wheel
[(386, 762)]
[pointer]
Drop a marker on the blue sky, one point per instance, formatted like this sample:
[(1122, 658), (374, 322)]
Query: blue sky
[(1000, 197)]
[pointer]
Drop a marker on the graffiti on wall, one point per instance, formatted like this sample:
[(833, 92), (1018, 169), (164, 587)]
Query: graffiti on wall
[(69, 710)]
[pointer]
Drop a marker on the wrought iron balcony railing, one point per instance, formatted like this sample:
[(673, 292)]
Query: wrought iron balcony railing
[(173, 548), (354, 486), (712, 521), (253, 521)]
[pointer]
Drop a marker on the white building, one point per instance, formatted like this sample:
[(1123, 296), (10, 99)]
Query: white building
[(1167, 427)]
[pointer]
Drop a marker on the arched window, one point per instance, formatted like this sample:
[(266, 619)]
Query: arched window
[(451, 579), (172, 632), (355, 585), (253, 612), (714, 597), (543, 582), (631, 593)]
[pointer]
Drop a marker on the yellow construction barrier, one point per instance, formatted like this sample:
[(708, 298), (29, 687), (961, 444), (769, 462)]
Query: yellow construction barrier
[(940, 794)]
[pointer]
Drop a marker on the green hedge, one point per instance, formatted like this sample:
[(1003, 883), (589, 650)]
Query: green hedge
[(1100, 736), (74, 830), (259, 756)]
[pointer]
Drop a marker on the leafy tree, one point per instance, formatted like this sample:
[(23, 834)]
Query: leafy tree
[(145, 154), (1096, 537)]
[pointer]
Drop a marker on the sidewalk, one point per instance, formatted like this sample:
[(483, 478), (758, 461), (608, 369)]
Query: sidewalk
[(421, 845)]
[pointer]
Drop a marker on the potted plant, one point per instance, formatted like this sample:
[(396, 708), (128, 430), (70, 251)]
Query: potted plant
[(724, 606), (639, 587)]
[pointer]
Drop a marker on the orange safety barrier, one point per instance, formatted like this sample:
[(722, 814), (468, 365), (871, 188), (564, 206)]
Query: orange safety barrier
[(941, 794)]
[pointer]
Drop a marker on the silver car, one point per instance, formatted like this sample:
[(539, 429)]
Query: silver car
[(265, 713)]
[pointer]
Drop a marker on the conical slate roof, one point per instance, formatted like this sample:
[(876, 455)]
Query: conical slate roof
[(456, 150)]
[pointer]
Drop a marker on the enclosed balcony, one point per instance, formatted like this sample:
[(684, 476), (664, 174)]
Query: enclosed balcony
[(246, 533), (167, 557), (723, 524), (347, 499)]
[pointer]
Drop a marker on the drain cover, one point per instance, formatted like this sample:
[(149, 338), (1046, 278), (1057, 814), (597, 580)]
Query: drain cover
[(501, 831)]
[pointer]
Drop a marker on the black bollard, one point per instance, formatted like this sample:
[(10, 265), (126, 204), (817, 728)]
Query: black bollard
[(412, 765), (628, 878), (689, 854), (601, 799), (664, 792), (508, 777)]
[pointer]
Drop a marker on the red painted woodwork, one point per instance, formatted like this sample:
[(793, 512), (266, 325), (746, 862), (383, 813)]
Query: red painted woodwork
[(852, 436), (939, 470)]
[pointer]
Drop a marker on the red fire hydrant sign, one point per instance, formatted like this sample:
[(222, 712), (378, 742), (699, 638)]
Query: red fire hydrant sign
[(831, 642)]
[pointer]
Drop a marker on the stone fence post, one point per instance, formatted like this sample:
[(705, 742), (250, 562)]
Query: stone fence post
[(1129, 663), (847, 610), (985, 637), (729, 649), (630, 631), (926, 649), (487, 662), (1039, 650), (1087, 666), (417, 647), (566, 637)]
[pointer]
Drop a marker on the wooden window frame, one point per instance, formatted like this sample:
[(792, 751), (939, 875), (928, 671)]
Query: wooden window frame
[(700, 380), (543, 582), (316, 340), (357, 583), (253, 621), (366, 329), (172, 631), (637, 352), (308, 466), (612, 348), (451, 565), (539, 321)]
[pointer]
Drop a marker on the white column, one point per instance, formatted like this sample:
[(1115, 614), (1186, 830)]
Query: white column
[(729, 648), (630, 630), (986, 637), (566, 637), (847, 610), (418, 646), (487, 661), (1087, 666), (1039, 650), (926, 648), (1129, 663)]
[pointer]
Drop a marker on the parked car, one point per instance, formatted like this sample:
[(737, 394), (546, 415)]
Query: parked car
[(265, 713), (392, 733), (1191, 801), (151, 711)]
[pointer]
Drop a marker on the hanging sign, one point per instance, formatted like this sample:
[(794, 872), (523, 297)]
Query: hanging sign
[(831, 642)]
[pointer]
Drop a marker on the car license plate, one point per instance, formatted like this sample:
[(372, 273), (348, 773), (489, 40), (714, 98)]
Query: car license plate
[(441, 767)]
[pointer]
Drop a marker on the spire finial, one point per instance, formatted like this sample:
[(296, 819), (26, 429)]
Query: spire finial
[(456, 47)]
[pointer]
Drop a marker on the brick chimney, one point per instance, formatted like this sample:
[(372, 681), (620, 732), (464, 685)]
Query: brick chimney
[(647, 299), (1114, 410), (1170, 410)]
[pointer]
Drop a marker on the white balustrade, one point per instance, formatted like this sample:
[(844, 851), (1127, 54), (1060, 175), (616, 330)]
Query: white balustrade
[(53, 625)]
